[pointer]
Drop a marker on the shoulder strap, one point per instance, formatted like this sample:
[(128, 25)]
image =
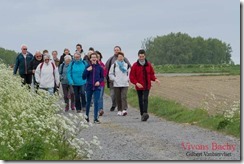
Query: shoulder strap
[(114, 68), (62, 67), (41, 65)]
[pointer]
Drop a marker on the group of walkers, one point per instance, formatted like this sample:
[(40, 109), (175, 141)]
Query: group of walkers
[(83, 77)]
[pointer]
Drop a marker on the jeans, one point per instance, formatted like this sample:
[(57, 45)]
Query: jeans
[(80, 97), (27, 78), (100, 101), (96, 94), (143, 100)]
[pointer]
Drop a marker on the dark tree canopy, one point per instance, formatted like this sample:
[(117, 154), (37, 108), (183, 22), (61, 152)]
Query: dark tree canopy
[(179, 48), (7, 56)]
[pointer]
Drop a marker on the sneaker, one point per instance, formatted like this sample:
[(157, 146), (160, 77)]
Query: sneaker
[(120, 113), (72, 107), (124, 112), (78, 111), (144, 117), (97, 121), (101, 112), (112, 108)]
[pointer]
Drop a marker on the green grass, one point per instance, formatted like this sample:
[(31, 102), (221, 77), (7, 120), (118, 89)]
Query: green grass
[(172, 111), (198, 68)]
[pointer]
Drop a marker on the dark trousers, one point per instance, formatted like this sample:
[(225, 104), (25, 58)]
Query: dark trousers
[(27, 78), (143, 100), (80, 97), (67, 89), (96, 95)]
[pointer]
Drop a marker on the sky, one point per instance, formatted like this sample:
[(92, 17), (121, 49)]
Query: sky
[(103, 24)]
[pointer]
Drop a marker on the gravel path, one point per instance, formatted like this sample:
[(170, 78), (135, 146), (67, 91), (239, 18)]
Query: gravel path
[(127, 138)]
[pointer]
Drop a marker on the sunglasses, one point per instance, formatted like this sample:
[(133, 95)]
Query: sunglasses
[(24, 48), (47, 59), (39, 56)]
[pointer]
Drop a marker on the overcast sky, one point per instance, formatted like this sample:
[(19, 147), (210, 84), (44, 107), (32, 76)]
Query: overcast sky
[(102, 24)]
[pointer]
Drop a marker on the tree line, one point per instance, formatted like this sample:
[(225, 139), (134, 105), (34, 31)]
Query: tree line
[(180, 48), (8, 56)]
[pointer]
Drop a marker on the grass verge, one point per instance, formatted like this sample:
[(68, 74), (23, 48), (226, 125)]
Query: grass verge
[(173, 111)]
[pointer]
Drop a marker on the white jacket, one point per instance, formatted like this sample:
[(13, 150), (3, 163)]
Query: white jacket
[(119, 78), (45, 76)]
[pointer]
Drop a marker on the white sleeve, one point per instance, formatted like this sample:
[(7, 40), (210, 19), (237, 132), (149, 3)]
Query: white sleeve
[(56, 74), (38, 73), (111, 73)]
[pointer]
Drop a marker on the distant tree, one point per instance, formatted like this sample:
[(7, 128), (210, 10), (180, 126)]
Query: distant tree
[(8, 56), (179, 48)]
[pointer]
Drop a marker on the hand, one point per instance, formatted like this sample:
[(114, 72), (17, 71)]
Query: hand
[(33, 71), (157, 81), (139, 85), (97, 84), (89, 68)]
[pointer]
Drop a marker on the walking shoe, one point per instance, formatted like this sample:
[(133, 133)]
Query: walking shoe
[(72, 107), (112, 108), (78, 111), (144, 117), (101, 112), (120, 113), (97, 121), (124, 112), (87, 119)]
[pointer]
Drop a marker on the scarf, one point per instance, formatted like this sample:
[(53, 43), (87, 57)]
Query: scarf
[(121, 66), (142, 62)]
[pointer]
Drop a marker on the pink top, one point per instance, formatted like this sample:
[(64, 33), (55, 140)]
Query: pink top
[(104, 72)]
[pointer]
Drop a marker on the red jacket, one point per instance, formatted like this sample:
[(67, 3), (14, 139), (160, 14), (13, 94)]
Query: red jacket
[(142, 74)]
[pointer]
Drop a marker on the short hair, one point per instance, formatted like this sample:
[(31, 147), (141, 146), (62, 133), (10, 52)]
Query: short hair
[(121, 53), (118, 47), (67, 57), (37, 51), (141, 51), (91, 49), (45, 51), (79, 45), (23, 45), (94, 53), (66, 49), (77, 53), (55, 51), (46, 56), (99, 53)]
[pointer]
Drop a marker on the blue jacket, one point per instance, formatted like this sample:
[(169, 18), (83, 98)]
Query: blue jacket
[(75, 71), (96, 74), (23, 64), (63, 73)]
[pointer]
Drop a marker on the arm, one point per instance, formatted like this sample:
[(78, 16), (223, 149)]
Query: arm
[(16, 66), (85, 73), (127, 61), (111, 73), (56, 75), (132, 75), (70, 80), (38, 73), (101, 75)]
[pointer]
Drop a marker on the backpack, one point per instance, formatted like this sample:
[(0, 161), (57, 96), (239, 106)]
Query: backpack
[(52, 65)]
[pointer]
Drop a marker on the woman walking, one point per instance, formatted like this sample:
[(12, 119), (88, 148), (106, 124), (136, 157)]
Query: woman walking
[(119, 75)]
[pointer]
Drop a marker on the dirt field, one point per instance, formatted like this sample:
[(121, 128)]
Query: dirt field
[(214, 93)]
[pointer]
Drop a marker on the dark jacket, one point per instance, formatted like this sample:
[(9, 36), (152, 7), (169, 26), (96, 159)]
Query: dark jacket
[(33, 64), (142, 74), (62, 58), (96, 74), (23, 63)]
